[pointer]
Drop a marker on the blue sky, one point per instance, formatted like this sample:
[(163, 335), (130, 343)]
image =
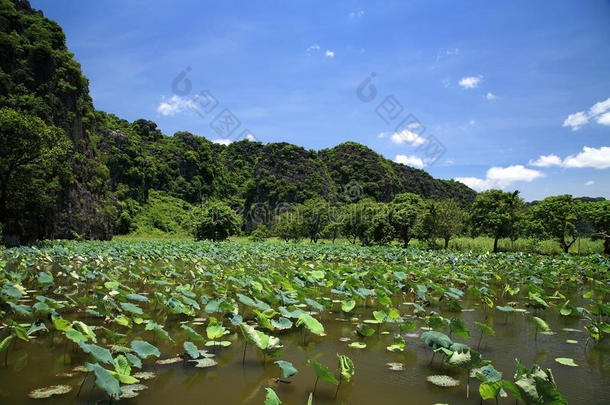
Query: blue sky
[(516, 92)]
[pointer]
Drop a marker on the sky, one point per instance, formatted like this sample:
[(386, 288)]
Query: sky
[(504, 94)]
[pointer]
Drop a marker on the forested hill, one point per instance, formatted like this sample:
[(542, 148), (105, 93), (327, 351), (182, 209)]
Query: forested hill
[(193, 168), (48, 119)]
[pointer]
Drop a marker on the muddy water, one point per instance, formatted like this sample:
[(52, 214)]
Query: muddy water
[(36, 364)]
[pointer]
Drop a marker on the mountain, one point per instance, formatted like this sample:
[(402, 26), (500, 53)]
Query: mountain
[(40, 78), (114, 165)]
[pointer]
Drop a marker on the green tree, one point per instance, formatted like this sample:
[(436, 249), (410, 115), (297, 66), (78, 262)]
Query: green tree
[(599, 214), (216, 221), (286, 226), (33, 171), (315, 216), (332, 230), (558, 216), (497, 213), (357, 221), (404, 212), (441, 219), (259, 234)]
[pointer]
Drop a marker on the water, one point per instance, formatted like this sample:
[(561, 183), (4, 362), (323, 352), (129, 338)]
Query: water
[(36, 364)]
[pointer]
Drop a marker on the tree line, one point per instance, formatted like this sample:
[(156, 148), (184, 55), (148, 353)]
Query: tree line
[(494, 213)]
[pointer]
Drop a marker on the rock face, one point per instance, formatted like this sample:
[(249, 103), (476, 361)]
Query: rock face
[(38, 76)]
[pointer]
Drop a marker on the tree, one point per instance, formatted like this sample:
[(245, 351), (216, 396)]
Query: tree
[(286, 226), (33, 171), (404, 211), (259, 234), (217, 221), (497, 213), (441, 219), (558, 216), (357, 221), (599, 215), (315, 216)]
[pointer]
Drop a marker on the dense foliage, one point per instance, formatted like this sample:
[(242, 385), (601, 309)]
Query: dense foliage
[(126, 310)]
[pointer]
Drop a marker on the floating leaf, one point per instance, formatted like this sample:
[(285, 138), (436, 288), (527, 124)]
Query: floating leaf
[(566, 361), (443, 381), (47, 392)]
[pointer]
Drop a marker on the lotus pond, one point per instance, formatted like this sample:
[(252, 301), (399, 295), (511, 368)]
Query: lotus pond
[(248, 323)]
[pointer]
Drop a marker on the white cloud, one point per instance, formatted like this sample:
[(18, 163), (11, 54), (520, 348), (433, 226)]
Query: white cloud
[(576, 120), (250, 138), (409, 161), (470, 82), (475, 183), (501, 177), (222, 141), (174, 105), (598, 112), (330, 54), (382, 135), (588, 157), (406, 136), (313, 48), (546, 161), (604, 119), (600, 107), (472, 122), (589, 183), (491, 96)]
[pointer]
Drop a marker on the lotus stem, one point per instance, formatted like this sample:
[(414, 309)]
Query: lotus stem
[(81, 385), (315, 385), (338, 385)]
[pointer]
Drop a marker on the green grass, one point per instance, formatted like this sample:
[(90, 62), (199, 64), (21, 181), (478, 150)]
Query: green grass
[(479, 244)]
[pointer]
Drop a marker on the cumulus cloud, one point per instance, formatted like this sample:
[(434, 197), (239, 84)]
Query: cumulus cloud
[(604, 119), (599, 112), (597, 158), (470, 82), (250, 138), (222, 141), (501, 177), (406, 136), (330, 54), (589, 183), (546, 161), (576, 120), (590, 157), (409, 161), (491, 96), (174, 105)]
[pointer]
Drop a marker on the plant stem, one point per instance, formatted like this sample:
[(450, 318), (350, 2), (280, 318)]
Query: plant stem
[(243, 359), (81, 384), (315, 385), (338, 385)]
